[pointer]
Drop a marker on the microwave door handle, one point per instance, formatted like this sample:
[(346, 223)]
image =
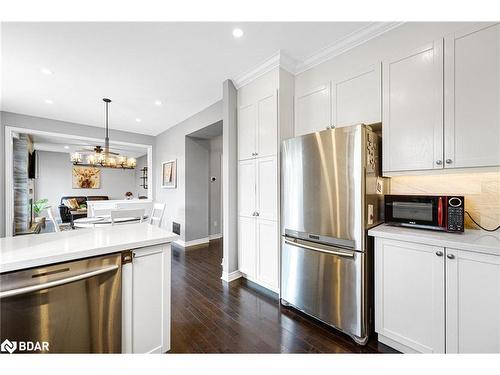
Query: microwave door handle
[(51, 284), (440, 211)]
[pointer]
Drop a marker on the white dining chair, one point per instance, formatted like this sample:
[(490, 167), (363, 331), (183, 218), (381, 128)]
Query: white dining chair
[(57, 227), (127, 214), (157, 214)]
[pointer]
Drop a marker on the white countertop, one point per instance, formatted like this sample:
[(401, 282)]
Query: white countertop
[(41, 249), (472, 240)]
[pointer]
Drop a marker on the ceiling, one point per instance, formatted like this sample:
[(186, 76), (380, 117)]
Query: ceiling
[(135, 64)]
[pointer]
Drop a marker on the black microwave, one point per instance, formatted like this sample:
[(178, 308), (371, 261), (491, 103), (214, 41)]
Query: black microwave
[(445, 213)]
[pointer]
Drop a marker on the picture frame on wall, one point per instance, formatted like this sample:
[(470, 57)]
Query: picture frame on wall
[(169, 174)]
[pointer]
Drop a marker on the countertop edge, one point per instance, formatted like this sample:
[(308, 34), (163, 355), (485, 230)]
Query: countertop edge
[(58, 258), (422, 237)]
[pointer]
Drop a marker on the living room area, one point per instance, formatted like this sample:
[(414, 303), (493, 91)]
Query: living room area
[(59, 180)]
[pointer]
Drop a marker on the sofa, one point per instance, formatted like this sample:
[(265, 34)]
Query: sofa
[(64, 211)]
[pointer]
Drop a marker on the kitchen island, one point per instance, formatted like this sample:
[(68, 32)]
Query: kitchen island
[(140, 268)]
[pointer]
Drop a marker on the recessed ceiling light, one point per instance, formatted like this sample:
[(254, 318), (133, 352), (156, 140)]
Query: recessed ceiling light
[(158, 102), (49, 101), (46, 71), (138, 120), (237, 33), (66, 147)]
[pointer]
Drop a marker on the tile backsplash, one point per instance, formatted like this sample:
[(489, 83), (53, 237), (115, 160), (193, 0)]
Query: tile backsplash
[(481, 191)]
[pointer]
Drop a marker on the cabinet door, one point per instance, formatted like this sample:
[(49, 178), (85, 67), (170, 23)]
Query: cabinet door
[(313, 112), (472, 97), (247, 125), (409, 294), (472, 302), (247, 246), (413, 110), (267, 126), (151, 300), (246, 188), (267, 188), (358, 98), (267, 254)]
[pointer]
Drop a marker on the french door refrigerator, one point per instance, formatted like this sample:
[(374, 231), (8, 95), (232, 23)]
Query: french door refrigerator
[(331, 194)]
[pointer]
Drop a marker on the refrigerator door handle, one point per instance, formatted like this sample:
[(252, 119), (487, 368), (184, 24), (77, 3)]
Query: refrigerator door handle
[(314, 248)]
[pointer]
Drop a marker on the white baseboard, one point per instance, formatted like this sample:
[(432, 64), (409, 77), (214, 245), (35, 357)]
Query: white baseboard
[(215, 236), (231, 276), (198, 241)]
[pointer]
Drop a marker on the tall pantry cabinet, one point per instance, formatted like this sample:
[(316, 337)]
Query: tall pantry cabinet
[(265, 118)]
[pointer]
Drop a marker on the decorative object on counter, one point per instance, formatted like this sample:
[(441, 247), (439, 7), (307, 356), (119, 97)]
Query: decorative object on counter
[(86, 177), (144, 178), (100, 156), (169, 174), (129, 195)]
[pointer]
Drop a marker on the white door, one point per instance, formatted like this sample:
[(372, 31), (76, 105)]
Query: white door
[(357, 99), (247, 246), (472, 97), (267, 253), (151, 300), (247, 125), (246, 188), (267, 188), (409, 294), (267, 126), (312, 110), (472, 302), (413, 110)]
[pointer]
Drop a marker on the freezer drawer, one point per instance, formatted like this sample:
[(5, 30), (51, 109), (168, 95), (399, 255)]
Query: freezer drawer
[(325, 282)]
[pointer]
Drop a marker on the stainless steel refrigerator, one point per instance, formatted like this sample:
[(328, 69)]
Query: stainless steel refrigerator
[(331, 193)]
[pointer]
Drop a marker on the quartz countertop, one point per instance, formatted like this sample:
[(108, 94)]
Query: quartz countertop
[(28, 251), (471, 240)]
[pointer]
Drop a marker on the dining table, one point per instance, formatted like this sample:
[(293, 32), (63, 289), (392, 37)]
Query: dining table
[(102, 220)]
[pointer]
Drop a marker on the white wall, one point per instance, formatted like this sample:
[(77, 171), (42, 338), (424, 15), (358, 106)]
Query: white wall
[(171, 145), (55, 180), (38, 123), (215, 192)]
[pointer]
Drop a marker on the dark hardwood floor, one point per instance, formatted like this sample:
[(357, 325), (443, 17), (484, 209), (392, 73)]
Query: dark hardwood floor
[(210, 316)]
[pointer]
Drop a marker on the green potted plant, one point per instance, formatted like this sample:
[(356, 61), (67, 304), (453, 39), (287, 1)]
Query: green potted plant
[(38, 206)]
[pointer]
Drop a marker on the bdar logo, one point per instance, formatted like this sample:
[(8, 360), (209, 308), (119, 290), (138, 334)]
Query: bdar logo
[(8, 346)]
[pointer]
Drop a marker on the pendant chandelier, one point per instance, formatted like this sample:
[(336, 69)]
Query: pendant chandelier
[(103, 157)]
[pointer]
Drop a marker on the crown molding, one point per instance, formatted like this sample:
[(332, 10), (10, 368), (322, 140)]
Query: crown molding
[(282, 60), (279, 59), (345, 44)]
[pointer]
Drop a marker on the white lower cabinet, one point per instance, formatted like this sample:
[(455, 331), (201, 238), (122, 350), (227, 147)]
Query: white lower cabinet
[(258, 254), (409, 296), (434, 300), (472, 302), (146, 301)]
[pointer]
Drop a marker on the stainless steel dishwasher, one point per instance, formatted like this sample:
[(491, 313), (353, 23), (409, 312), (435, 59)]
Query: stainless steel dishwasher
[(75, 307)]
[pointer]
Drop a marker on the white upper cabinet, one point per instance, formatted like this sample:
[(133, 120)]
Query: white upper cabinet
[(267, 126), (267, 188), (246, 188), (472, 97), (247, 131), (413, 109), (409, 295), (357, 98), (472, 302), (313, 110)]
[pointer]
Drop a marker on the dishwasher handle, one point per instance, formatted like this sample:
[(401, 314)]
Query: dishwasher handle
[(51, 284), (321, 250)]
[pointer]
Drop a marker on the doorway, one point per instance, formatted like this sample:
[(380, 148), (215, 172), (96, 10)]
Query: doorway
[(204, 185)]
